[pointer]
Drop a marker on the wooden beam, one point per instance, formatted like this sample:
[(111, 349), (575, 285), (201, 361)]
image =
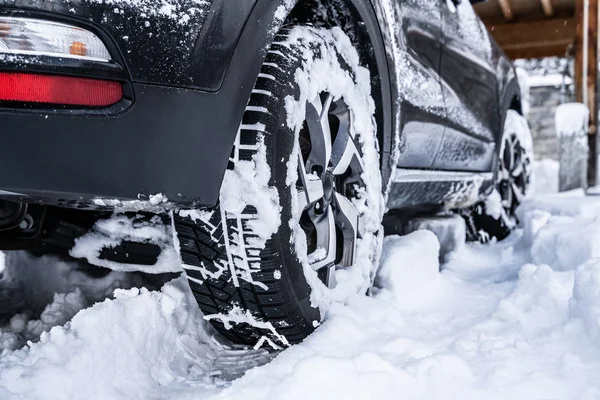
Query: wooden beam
[(506, 9), (535, 39), (554, 50), (587, 59), (547, 7), (536, 14)]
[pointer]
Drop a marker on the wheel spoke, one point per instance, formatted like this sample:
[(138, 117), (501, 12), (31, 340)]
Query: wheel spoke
[(517, 170), (516, 190), (326, 238), (347, 219), (330, 280), (302, 203), (320, 134), (506, 195), (312, 186), (326, 105), (343, 154), (513, 144), (518, 157)]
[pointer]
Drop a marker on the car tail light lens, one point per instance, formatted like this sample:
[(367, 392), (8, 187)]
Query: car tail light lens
[(64, 90), (40, 37)]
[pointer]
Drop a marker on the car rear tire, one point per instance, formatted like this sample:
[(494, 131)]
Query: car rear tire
[(496, 217), (266, 288)]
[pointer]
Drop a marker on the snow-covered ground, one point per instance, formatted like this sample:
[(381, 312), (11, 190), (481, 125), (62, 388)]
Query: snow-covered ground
[(518, 319)]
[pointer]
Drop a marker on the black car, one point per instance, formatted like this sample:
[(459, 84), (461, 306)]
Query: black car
[(271, 135)]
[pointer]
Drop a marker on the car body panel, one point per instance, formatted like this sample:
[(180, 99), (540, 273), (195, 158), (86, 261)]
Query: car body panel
[(422, 108), (438, 190), (168, 141), (476, 144), (85, 161), (470, 90), (183, 43)]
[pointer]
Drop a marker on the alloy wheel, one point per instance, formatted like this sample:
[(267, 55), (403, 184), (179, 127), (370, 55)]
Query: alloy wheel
[(514, 176), (330, 172)]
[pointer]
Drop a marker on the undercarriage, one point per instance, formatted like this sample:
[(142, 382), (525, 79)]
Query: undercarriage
[(42, 229)]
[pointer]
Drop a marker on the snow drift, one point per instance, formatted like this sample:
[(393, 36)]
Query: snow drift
[(519, 319)]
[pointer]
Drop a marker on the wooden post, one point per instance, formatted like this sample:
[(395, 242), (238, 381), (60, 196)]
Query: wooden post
[(586, 71)]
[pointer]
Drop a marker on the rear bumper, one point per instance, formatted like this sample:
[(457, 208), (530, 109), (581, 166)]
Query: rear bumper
[(170, 141), (161, 139)]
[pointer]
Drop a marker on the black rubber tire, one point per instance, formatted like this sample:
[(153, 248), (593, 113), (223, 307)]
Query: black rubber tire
[(285, 305), (482, 227)]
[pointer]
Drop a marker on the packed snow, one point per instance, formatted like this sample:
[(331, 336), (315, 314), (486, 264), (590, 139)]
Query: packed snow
[(110, 233), (555, 80), (518, 319), (571, 119)]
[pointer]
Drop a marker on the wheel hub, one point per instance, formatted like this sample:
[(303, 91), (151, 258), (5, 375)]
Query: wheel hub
[(329, 218)]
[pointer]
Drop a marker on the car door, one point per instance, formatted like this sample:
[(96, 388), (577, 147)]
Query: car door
[(468, 80), (419, 29)]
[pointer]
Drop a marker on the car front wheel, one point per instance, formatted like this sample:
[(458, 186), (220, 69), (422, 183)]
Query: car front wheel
[(496, 217)]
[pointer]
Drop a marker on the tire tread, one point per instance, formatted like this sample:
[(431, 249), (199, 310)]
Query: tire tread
[(205, 244)]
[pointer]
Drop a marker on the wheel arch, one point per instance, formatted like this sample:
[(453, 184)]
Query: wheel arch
[(515, 104), (510, 99)]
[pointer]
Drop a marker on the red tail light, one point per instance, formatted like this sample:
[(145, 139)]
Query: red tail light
[(35, 88)]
